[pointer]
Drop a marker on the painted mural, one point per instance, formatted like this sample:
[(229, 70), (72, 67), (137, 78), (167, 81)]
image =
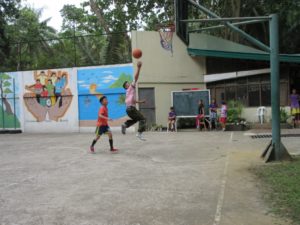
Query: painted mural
[(9, 100), (93, 83), (47, 94)]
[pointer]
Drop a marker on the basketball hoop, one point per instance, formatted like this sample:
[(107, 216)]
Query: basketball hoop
[(166, 37)]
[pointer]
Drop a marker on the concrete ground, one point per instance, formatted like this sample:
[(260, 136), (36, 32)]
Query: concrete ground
[(184, 178)]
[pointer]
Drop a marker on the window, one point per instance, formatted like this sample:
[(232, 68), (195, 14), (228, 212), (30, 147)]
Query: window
[(254, 79), (284, 94), (251, 91), (220, 95), (230, 82), (266, 94), (212, 93), (230, 93), (253, 95), (242, 80), (241, 94), (265, 78)]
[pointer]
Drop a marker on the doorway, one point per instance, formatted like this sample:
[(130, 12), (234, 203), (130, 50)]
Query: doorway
[(148, 108)]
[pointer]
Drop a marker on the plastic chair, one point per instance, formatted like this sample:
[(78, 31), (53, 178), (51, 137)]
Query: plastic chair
[(175, 126)]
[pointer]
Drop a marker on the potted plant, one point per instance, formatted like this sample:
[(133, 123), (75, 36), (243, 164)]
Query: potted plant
[(234, 116), (286, 120)]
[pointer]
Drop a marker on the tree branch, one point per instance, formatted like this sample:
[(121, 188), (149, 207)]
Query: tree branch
[(99, 13)]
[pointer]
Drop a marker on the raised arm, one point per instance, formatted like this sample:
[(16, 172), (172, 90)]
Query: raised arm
[(137, 73)]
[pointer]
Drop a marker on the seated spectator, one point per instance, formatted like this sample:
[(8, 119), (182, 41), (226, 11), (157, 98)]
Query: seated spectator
[(213, 113), (200, 119), (172, 119)]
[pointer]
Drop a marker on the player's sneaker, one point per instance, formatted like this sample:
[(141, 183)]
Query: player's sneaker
[(113, 150), (139, 135), (123, 129), (92, 149)]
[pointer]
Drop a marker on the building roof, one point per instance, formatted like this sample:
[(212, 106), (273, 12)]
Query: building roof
[(233, 75), (206, 45)]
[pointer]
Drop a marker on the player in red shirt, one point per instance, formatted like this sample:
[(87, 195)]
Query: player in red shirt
[(102, 125)]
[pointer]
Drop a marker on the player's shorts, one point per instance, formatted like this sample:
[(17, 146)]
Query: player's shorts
[(213, 115), (295, 111), (102, 130), (223, 119)]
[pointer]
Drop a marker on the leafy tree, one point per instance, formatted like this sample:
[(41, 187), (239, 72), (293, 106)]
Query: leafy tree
[(8, 13), (30, 36), (90, 43), (96, 33), (289, 20), (121, 15), (34, 34)]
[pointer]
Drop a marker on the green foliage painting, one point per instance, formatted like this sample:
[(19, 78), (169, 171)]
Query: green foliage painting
[(8, 117), (119, 83)]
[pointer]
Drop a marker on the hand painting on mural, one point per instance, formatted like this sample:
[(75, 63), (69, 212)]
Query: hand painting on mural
[(49, 95)]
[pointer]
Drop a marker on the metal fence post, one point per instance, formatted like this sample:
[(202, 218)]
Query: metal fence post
[(1, 88), (15, 116)]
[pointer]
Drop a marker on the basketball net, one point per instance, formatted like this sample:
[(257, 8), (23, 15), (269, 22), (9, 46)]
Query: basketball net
[(166, 37)]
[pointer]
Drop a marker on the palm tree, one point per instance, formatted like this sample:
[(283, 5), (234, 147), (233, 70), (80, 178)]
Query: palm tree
[(32, 36)]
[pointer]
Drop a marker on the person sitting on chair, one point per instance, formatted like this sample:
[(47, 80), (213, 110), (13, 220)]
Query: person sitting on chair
[(172, 119), (200, 119)]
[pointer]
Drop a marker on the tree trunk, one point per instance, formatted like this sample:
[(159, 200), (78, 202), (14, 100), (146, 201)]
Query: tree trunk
[(114, 49), (5, 101), (236, 11), (95, 9), (7, 106)]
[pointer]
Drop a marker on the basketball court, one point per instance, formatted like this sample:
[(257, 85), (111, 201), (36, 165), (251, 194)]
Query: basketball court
[(184, 178), (172, 178)]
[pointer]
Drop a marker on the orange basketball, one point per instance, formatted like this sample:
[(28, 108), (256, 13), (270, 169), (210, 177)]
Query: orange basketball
[(137, 53)]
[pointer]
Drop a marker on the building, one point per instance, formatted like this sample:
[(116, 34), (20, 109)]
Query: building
[(227, 78), (164, 71)]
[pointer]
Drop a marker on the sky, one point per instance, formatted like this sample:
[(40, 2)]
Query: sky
[(51, 9)]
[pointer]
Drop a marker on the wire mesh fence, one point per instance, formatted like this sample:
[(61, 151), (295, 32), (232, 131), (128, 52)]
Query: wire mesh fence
[(74, 51)]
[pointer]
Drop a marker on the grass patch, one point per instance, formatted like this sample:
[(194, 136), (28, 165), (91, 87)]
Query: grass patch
[(281, 188), (9, 120)]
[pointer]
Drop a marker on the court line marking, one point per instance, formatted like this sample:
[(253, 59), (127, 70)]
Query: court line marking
[(221, 196)]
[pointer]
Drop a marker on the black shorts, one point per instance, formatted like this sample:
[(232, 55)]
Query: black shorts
[(102, 130)]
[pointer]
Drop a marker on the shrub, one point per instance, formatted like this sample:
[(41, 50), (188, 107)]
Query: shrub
[(283, 115), (234, 111)]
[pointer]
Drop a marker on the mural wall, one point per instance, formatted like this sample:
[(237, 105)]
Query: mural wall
[(50, 100), (96, 82), (10, 113), (62, 100)]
